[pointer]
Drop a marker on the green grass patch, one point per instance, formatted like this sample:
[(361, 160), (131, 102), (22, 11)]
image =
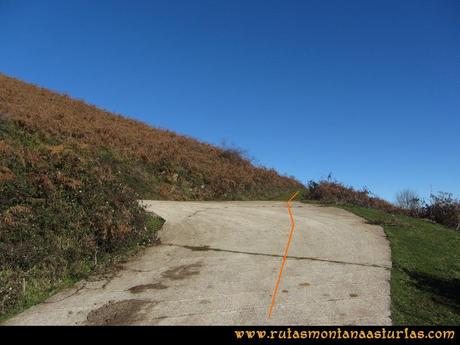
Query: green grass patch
[(425, 279)]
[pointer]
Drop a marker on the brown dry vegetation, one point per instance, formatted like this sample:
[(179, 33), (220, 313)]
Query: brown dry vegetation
[(443, 207), (336, 193), (70, 177), (161, 163)]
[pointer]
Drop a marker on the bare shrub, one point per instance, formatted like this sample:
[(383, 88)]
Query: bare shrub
[(408, 200), (233, 153)]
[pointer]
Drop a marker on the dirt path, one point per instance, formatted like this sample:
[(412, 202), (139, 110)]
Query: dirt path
[(218, 263)]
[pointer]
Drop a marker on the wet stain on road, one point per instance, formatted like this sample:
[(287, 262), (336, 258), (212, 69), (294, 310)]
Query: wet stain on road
[(144, 287), (182, 272), (126, 312), (197, 248)]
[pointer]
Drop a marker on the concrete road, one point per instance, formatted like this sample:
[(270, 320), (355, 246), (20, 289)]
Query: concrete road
[(218, 263)]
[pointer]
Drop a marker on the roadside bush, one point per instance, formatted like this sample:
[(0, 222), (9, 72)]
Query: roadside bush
[(61, 214), (335, 192), (443, 209)]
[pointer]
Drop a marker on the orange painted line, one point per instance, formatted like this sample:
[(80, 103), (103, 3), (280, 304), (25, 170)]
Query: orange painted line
[(286, 250)]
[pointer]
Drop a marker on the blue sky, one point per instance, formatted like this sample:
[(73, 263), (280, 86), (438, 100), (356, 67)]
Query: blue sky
[(367, 90)]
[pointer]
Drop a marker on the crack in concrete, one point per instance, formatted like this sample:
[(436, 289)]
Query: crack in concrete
[(220, 208), (207, 248), (198, 211), (72, 294)]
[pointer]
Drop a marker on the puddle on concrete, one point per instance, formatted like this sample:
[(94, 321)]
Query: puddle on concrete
[(126, 312)]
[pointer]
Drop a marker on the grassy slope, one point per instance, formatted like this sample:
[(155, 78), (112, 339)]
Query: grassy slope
[(70, 177), (425, 279)]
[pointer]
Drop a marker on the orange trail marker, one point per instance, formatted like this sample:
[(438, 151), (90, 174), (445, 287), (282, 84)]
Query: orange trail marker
[(286, 250)]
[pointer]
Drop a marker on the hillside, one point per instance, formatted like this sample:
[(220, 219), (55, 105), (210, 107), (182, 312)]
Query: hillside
[(155, 163), (70, 178)]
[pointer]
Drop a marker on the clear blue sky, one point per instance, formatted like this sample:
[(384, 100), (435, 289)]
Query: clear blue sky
[(367, 90)]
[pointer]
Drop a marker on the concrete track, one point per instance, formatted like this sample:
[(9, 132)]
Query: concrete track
[(218, 263)]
